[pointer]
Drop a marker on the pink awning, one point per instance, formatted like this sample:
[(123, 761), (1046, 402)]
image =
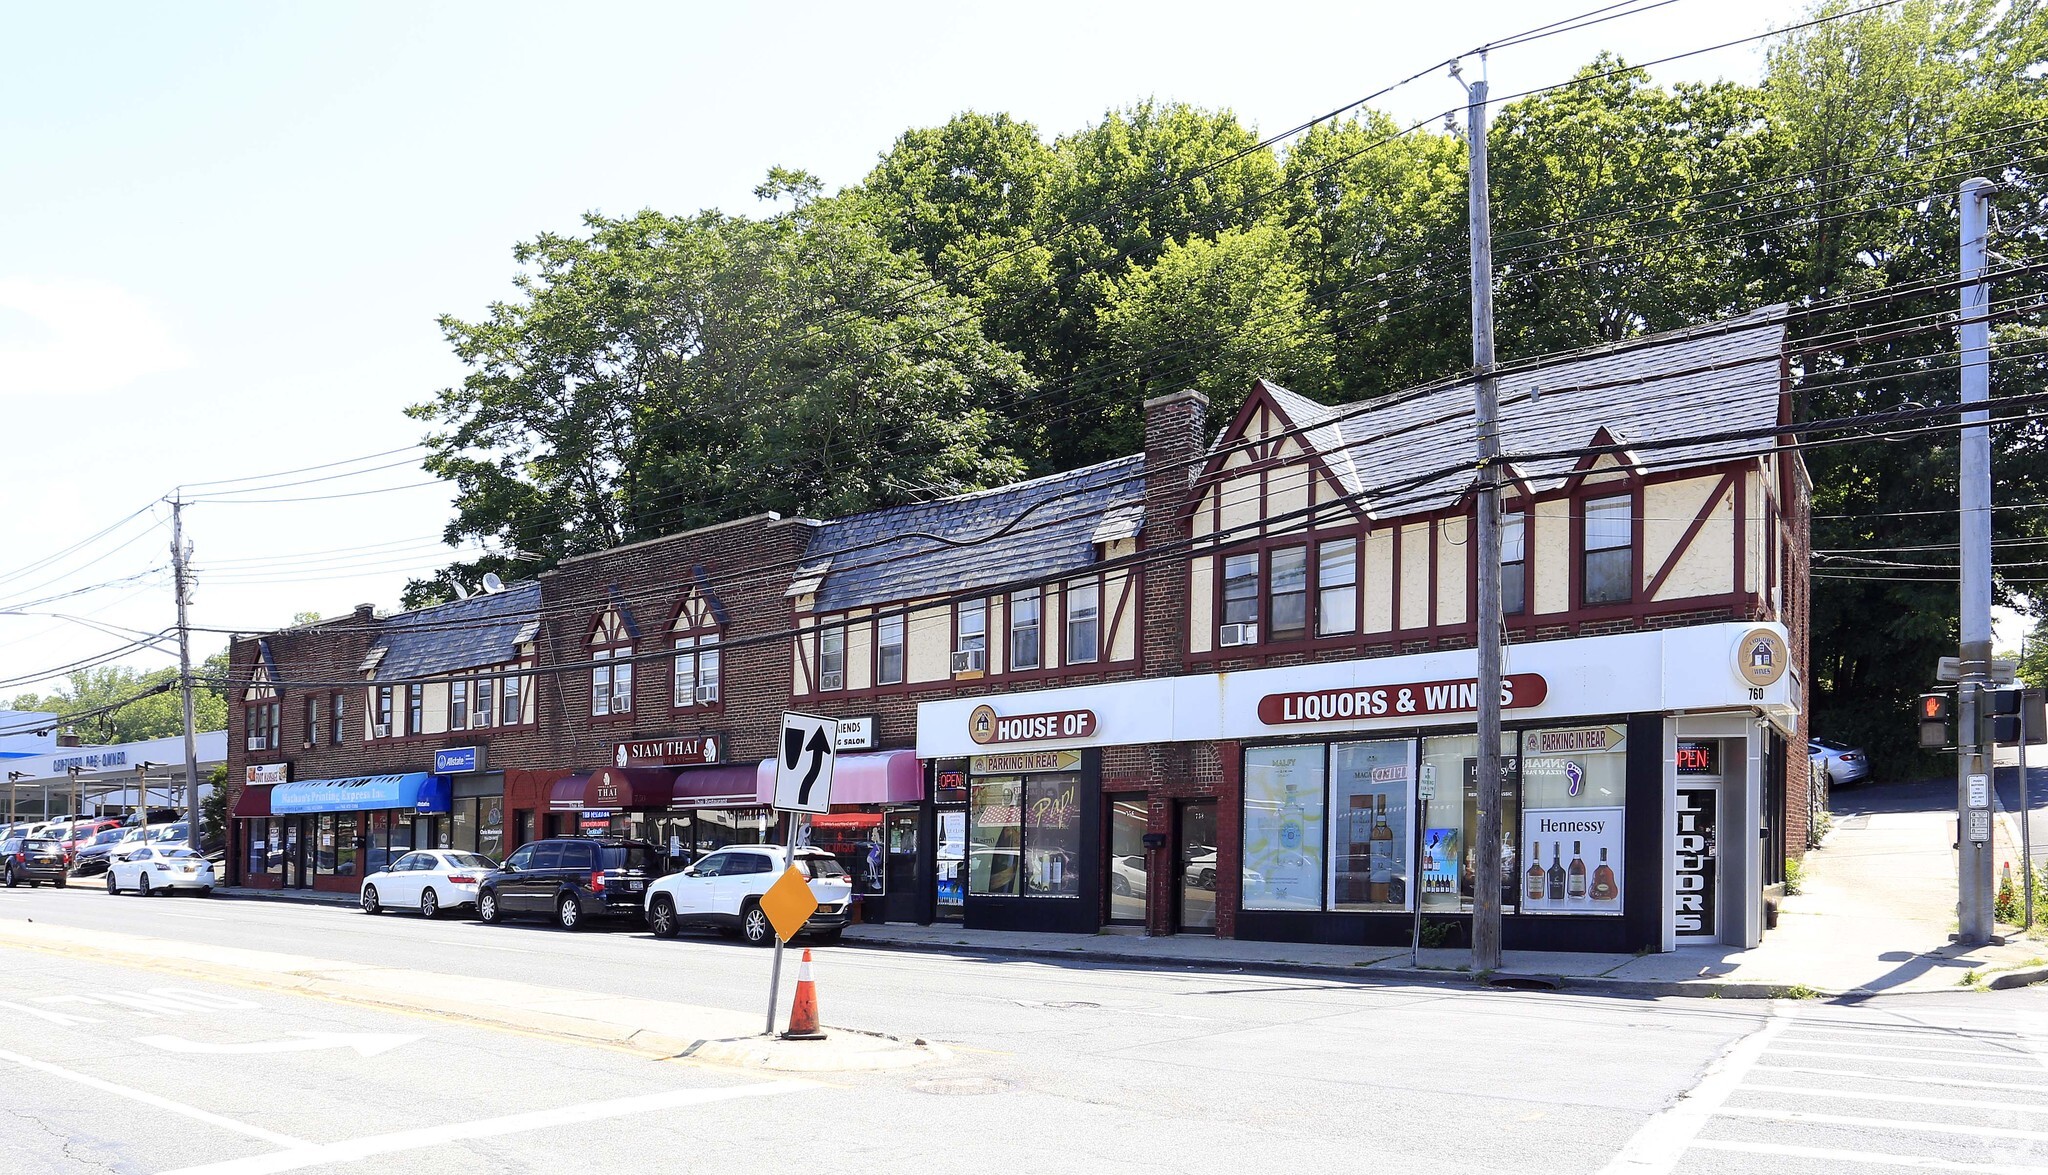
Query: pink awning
[(566, 795), (877, 777)]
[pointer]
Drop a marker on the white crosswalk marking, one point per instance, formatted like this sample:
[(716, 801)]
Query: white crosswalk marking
[(1814, 1092)]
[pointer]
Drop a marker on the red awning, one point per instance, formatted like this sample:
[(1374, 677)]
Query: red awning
[(728, 785), (613, 788), (845, 821), (877, 777), (254, 802), (566, 795)]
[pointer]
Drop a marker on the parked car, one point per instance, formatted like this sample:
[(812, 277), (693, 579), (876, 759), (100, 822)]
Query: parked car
[(1844, 765), (573, 879), (91, 858), (76, 836), (1127, 875), (428, 880), (31, 859), (160, 869), (724, 890)]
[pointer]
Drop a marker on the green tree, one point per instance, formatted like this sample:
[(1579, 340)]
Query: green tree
[(159, 715)]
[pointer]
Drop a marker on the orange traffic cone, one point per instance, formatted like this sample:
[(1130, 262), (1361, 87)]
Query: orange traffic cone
[(803, 1014)]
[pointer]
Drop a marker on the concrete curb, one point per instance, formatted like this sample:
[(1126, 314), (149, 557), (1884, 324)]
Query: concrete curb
[(348, 982)]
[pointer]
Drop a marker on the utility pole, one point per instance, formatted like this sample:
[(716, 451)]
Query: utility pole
[(181, 575), (1486, 421), (1973, 820)]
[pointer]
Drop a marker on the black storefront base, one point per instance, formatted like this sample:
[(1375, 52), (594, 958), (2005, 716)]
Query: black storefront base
[(1638, 927), (1075, 915)]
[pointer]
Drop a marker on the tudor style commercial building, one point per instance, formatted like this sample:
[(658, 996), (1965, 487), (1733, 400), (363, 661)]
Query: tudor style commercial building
[(1224, 685)]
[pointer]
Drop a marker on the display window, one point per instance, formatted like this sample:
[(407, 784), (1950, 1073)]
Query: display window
[(1574, 784), (995, 837), (1283, 827), (1447, 809), (323, 844), (1371, 830)]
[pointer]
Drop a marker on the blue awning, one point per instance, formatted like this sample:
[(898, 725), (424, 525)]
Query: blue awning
[(418, 791)]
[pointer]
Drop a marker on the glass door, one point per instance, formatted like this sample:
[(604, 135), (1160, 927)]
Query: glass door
[(1693, 867), (951, 873), (1195, 844), (1126, 862), (294, 860)]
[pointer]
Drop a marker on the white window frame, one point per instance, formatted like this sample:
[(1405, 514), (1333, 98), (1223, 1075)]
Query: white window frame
[(1035, 599), (1337, 596), (889, 635), (978, 639), (832, 655), (1080, 614)]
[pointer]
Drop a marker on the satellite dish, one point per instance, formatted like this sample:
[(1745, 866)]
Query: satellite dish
[(461, 593), (492, 584)]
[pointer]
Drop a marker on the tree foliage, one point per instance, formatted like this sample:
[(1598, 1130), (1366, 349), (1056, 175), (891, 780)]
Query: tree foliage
[(160, 715)]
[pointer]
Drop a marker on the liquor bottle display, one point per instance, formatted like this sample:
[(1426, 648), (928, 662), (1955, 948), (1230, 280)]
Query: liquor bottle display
[(1535, 871), (1603, 880), (1382, 854), (1556, 873), (1575, 874)]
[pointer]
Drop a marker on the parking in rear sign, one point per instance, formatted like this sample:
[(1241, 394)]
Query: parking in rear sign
[(803, 763)]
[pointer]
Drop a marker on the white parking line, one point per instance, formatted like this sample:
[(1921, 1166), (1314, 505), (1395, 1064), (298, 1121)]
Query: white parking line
[(1910, 1048), (1657, 1147), (1811, 1118), (351, 1150), (1865, 1158), (2035, 1068), (161, 1103), (1918, 1078), (1905, 1098)]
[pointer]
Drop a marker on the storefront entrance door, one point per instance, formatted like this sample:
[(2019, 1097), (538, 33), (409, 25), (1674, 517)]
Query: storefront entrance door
[(294, 853), (951, 856), (1196, 859), (1125, 861), (1693, 889)]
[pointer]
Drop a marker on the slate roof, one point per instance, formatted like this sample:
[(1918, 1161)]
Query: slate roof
[(908, 560), (1722, 376), (464, 634)]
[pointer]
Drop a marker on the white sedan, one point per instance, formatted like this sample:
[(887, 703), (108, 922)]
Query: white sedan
[(429, 880), (157, 869)]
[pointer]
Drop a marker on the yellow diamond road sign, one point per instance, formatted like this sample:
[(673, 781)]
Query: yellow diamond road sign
[(789, 903)]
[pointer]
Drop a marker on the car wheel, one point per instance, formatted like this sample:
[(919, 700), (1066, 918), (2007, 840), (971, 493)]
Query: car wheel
[(755, 927), (370, 902), (61, 882), (487, 906), (430, 904), (205, 891), (10, 877), (1119, 885), (111, 887), (662, 920), (142, 884), (568, 912)]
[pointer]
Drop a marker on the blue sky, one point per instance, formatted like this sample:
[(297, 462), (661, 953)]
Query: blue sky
[(226, 230)]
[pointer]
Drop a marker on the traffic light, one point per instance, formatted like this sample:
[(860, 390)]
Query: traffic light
[(2005, 715), (1934, 720)]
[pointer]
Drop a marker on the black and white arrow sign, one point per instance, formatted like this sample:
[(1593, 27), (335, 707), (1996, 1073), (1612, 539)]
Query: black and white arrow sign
[(803, 768)]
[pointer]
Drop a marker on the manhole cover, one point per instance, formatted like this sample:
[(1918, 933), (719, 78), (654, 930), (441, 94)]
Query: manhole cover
[(962, 1086)]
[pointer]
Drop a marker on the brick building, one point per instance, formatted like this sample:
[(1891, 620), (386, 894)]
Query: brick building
[(1219, 686)]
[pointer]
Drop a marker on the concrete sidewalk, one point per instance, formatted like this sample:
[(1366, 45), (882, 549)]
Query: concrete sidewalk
[(658, 1029)]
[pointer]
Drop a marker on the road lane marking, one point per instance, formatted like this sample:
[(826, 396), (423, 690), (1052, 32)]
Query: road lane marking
[(1657, 1148), (57, 1018), (366, 1044), (2035, 1068), (1912, 1099), (1914, 1048), (1917, 1078), (1808, 1117), (1865, 1158), (352, 1150), (150, 1099)]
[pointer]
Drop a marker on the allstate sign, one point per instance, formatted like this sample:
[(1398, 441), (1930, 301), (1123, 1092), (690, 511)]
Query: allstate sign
[(456, 760)]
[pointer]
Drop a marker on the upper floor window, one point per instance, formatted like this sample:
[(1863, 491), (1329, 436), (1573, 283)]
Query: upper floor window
[(337, 713), (1609, 564), (611, 681), (261, 721), (1240, 599), (1084, 621), (483, 710), (311, 735), (514, 705), (458, 704), (1514, 564), (832, 657), (1025, 630), (1337, 587), (889, 650), (1287, 593), (382, 725), (696, 670), (973, 618), (415, 708)]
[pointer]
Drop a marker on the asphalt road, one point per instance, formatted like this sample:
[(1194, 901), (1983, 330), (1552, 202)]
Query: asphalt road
[(1060, 1067)]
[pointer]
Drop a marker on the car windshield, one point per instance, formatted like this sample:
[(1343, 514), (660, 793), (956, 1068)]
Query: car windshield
[(471, 861), (821, 866), (626, 857)]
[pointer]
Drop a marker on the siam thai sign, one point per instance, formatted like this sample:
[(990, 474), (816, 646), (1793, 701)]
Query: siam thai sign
[(1518, 691), (694, 751)]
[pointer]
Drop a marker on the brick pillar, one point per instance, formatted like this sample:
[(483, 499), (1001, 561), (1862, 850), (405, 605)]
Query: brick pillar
[(1176, 436)]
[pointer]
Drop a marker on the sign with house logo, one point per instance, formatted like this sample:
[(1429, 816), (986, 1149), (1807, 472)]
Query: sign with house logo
[(985, 726), (693, 751), (1761, 657)]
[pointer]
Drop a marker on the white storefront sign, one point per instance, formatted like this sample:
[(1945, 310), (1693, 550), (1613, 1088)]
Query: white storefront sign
[(1638, 672)]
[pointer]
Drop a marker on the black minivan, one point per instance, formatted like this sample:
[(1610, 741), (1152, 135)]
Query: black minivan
[(570, 879)]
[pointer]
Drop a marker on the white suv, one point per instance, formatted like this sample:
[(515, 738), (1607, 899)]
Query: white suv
[(724, 890)]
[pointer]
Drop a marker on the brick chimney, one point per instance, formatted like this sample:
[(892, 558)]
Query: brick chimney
[(1176, 436)]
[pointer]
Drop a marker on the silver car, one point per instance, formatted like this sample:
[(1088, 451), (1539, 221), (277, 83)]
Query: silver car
[(1844, 765)]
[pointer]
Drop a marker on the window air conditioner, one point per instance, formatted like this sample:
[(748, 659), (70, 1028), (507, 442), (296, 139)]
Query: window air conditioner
[(381, 730), (258, 742), (970, 660), (706, 694), (622, 701), (1237, 634), (480, 718), (831, 681)]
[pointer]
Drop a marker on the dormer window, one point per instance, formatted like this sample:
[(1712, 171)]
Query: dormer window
[(611, 675), (1609, 563), (696, 633)]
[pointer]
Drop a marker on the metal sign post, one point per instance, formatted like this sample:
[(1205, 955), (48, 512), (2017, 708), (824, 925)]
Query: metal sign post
[(803, 783)]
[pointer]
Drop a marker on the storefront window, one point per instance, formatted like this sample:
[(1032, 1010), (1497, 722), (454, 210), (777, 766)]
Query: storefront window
[(345, 828), (1370, 831), (995, 837), (1283, 828), (1052, 836), (1447, 807), (463, 816), (490, 827), (254, 832), (719, 827), (1128, 862), (323, 844), (1574, 781)]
